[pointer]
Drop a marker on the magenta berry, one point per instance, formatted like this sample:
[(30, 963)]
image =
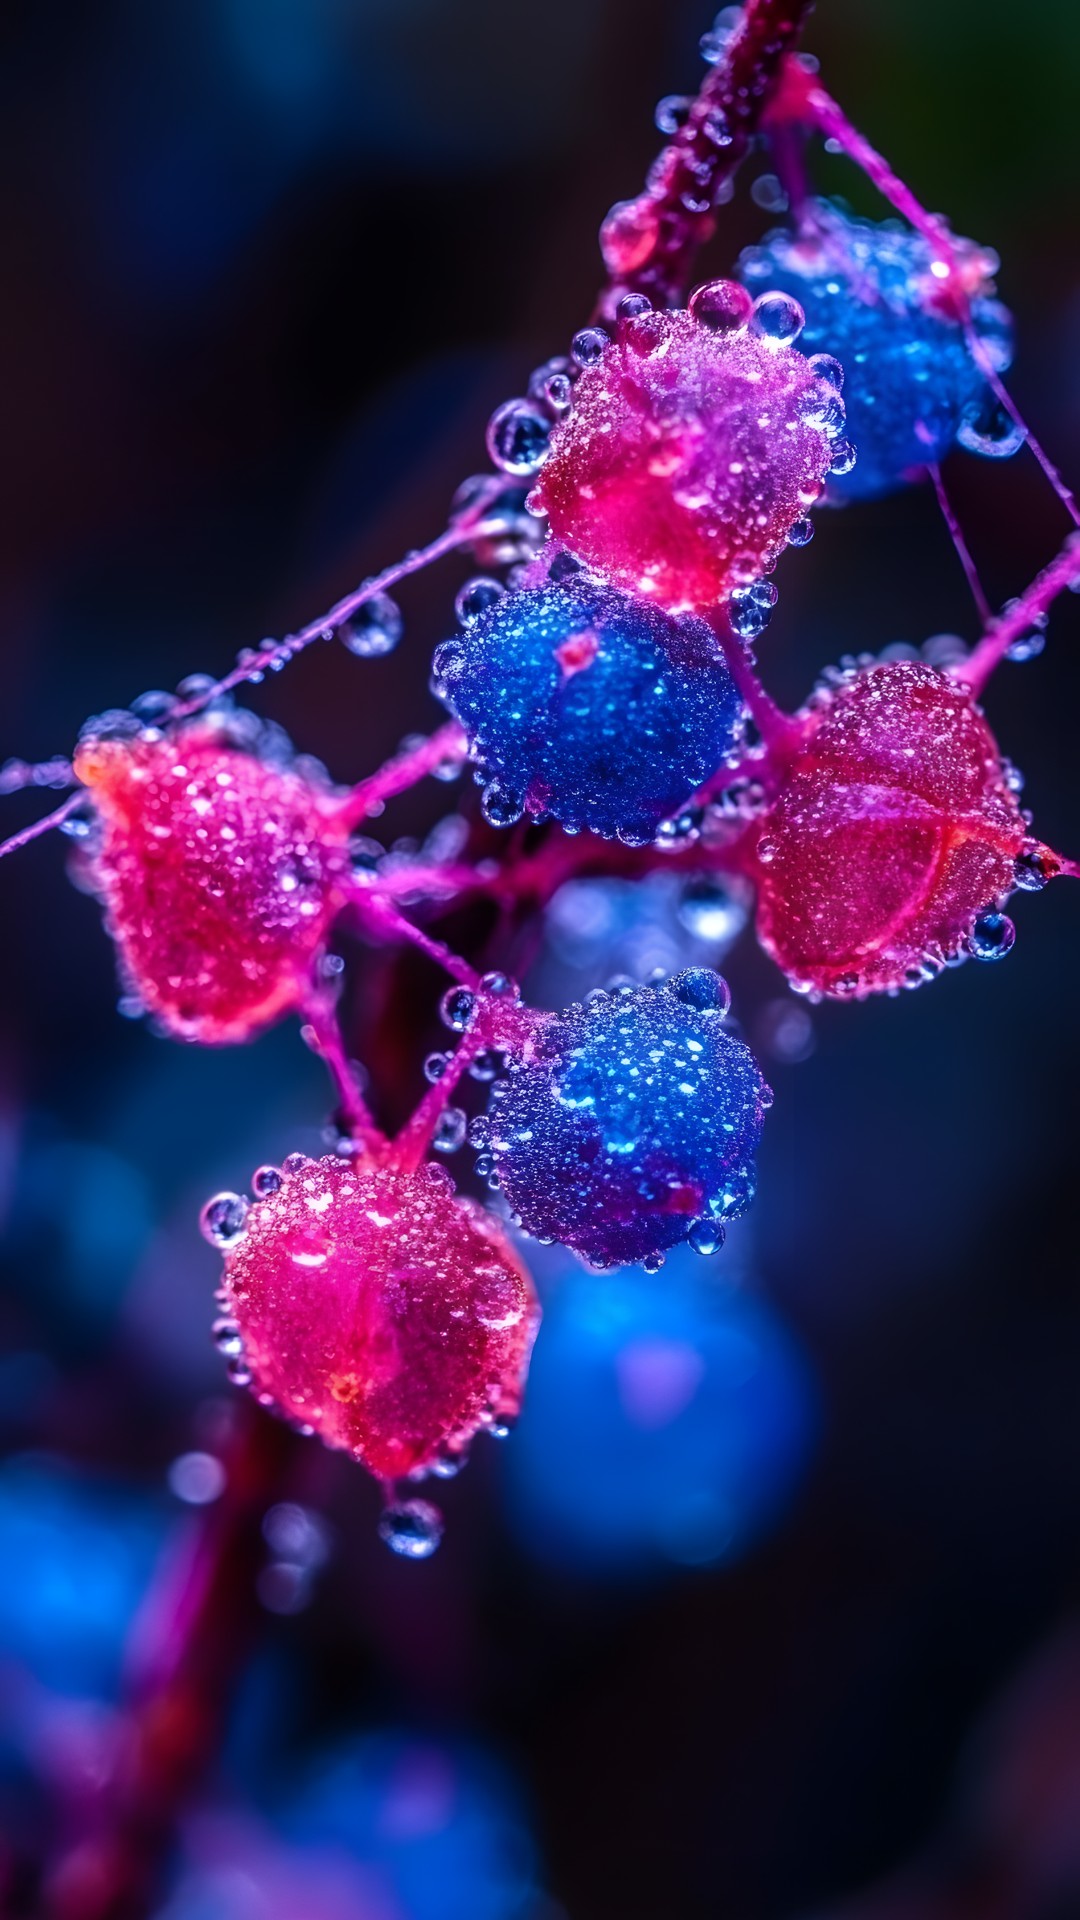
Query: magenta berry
[(589, 705), (220, 874), (375, 1307), (694, 444), (894, 830), (632, 1124)]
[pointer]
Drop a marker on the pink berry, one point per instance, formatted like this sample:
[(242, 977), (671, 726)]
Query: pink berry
[(894, 830), (694, 444), (377, 1308), (220, 874)]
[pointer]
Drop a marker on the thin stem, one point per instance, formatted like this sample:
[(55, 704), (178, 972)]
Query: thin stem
[(777, 729), (254, 666), (963, 550), (324, 1032), (34, 832), (649, 244), (497, 1023), (800, 96), (370, 795), (1062, 572)]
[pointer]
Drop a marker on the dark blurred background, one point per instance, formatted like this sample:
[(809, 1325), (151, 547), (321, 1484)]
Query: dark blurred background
[(268, 265)]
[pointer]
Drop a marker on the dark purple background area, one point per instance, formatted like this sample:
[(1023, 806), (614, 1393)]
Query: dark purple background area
[(266, 270)]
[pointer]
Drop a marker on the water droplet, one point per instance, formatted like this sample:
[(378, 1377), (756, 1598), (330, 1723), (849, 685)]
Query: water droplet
[(747, 615), (486, 1065), (222, 1219), (653, 1262), (988, 429), (447, 661), (800, 533), (435, 1066), (239, 1372), (457, 1009), (517, 437), (413, 1529), (499, 806), (374, 628), (992, 936), (706, 1236), (777, 317), (671, 112), (1034, 869), (701, 988), (227, 1338), (587, 347), (723, 306), (827, 367), (449, 1132), (709, 911), (501, 985), (843, 457), (475, 598)]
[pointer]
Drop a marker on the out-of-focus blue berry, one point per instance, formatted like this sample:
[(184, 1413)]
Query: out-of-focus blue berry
[(668, 1419), (588, 704), (868, 294), (631, 1120), (78, 1555)]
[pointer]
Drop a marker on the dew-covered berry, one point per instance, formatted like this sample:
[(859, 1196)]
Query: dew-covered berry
[(872, 298), (220, 874), (380, 1310), (590, 705), (894, 831), (693, 445), (627, 1121)]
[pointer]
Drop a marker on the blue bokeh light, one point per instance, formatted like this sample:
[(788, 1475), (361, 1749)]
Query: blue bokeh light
[(669, 1419)]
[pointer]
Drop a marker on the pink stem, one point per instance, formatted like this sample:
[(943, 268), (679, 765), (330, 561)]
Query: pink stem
[(800, 96), (325, 1034), (369, 796), (498, 1023), (649, 244), (253, 666), (34, 832), (961, 545), (1062, 572), (777, 729)]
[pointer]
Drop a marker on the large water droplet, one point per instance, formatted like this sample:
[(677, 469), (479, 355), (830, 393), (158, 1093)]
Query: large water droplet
[(374, 628), (413, 1529), (517, 437), (222, 1219)]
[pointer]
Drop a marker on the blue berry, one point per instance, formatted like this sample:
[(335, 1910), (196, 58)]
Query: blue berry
[(868, 294), (588, 704), (629, 1120)]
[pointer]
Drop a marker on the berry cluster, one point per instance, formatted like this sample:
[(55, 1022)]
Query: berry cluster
[(604, 690)]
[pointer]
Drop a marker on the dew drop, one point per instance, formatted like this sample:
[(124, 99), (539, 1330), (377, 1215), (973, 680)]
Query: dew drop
[(706, 1236), (587, 347), (475, 598), (701, 988), (457, 1009), (777, 317), (723, 306), (517, 438), (992, 936), (450, 1131), (412, 1529), (375, 628), (222, 1219)]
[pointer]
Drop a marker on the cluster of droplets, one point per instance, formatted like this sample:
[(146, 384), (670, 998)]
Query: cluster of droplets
[(373, 1306), (875, 295), (586, 704), (630, 1123)]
